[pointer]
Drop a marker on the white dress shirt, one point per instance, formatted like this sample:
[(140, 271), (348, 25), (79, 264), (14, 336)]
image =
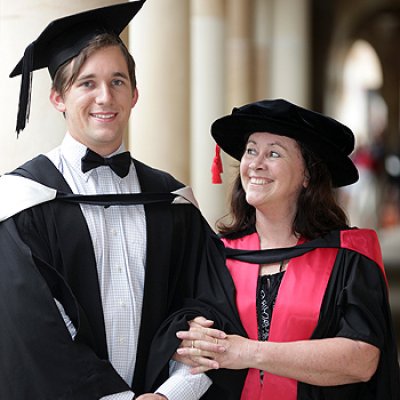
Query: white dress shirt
[(118, 234)]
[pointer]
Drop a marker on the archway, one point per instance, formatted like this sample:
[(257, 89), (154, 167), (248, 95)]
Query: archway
[(361, 107)]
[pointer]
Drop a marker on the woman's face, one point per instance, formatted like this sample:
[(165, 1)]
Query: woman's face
[(272, 172)]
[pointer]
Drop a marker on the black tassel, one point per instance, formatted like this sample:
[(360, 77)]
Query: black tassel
[(25, 90)]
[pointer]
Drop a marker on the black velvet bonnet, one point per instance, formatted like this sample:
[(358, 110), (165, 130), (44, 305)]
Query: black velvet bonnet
[(332, 141)]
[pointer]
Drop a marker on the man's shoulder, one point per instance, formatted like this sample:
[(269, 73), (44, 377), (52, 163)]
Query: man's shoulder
[(33, 183), (18, 193), (155, 180), (34, 168)]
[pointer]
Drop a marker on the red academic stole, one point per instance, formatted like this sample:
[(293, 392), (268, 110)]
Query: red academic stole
[(298, 303), (296, 310)]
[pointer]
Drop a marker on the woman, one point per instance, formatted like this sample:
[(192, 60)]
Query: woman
[(318, 321)]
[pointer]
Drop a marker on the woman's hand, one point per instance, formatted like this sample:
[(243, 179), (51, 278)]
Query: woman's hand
[(204, 348), (235, 352), (200, 334)]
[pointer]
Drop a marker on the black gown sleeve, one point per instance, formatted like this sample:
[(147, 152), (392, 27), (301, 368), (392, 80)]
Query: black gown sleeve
[(362, 303), (209, 292), (39, 359)]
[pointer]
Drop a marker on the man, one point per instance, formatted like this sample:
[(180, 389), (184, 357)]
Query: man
[(89, 271)]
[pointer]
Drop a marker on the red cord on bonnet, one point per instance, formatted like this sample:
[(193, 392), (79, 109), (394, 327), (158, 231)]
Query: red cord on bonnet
[(216, 167)]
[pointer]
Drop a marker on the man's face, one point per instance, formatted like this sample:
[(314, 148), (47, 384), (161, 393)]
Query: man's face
[(97, 106)]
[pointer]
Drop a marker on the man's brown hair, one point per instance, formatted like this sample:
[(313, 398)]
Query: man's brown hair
[(66, 76)]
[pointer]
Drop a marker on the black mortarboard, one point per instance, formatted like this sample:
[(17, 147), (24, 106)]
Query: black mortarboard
[(325, 136), (62, 40)]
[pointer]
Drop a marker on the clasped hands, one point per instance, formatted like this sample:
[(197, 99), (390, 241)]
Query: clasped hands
[(204, 348)]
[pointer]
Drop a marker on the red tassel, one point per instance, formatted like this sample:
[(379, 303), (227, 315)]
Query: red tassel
[(217, 168)]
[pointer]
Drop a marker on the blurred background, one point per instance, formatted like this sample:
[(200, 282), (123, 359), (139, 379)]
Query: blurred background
[(197, 59)]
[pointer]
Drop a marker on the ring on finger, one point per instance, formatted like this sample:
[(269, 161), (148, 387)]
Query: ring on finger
[(216, 341), (193, 344)]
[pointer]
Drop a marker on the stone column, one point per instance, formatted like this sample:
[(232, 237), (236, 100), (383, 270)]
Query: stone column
[(240, 67), (159, 128), (239, 71), (290, 53), (262, 32), (207, 100), (21, 22)]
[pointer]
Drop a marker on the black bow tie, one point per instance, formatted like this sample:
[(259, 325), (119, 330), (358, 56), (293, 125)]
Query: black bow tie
[(119, 163)]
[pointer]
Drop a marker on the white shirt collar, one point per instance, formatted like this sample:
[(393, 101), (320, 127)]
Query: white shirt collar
[(72, 151)]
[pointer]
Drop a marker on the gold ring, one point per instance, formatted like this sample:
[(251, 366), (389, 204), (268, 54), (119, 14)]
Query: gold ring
[(216, 341), (192, 344)]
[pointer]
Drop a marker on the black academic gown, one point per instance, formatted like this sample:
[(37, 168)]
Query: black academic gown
[(47, 253), (355, 305)]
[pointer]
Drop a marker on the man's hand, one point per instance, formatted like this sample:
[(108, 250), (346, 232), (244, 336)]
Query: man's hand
[(151, 396)]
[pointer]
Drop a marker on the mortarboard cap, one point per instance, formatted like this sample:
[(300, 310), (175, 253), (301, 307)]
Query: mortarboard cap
[(62, 40)]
